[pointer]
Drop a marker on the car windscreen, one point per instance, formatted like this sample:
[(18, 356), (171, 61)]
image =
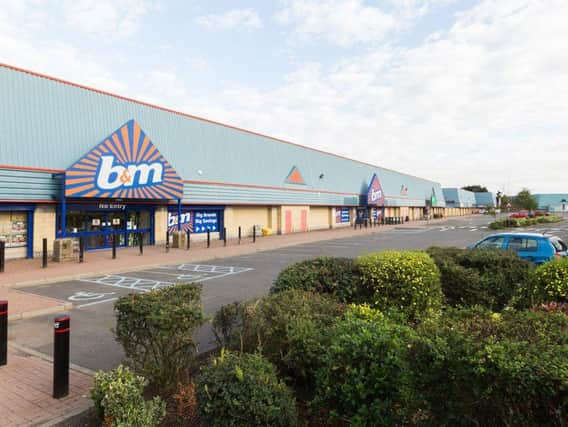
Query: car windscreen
[(558, 244)]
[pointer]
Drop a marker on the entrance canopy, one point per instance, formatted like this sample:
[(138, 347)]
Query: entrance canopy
[(125, 165)]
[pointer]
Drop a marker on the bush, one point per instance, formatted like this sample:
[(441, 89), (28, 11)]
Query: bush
[(550, 282), (408, 281), (156, 331), (336, 276), (290, 328), (489, 278), (239, 390), (523, 222), (365, 378), (485, 368), (118, 399)]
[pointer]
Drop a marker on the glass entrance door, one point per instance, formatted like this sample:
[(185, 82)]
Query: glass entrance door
[(100, 228)]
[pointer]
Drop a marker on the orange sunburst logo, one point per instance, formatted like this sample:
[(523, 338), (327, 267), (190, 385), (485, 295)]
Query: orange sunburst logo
[(124, 165)]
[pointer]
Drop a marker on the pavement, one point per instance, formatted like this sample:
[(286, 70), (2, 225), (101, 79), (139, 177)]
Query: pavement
[(227, 274)]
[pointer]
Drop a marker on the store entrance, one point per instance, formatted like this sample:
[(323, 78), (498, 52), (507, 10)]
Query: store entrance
[(100, 227)]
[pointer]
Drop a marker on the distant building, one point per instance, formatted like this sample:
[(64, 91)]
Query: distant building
[(485, 200), (552, 202), (459, 198)]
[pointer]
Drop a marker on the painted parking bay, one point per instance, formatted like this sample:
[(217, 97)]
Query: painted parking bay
[(149, 280)]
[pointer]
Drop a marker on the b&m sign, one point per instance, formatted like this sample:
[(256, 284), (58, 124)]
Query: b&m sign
[(194, 221), (375, 195), (125, 165)]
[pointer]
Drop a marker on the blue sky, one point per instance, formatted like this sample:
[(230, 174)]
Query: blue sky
[(459, 91)]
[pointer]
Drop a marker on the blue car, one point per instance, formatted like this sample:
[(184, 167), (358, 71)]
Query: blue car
[(533, 247)]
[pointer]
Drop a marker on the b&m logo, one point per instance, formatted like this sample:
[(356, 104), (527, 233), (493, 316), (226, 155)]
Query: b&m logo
[(126, 165), (111, 176), (375, 195)]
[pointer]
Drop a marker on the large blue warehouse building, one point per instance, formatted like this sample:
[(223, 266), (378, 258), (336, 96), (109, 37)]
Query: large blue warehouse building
[(79, 162)]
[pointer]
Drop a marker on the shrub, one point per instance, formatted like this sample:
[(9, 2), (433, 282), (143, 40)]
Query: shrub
[(365, 378), (408, 281), (238, 390), (507, 368), (336, 276), (156, 331), (290, 328), (118, 399), (480, 277), (550, 282)]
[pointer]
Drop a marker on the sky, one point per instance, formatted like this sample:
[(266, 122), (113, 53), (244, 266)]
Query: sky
[(457, 91)]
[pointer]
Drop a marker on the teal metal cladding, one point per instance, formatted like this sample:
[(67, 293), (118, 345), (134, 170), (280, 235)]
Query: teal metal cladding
[(29, 185), (459, 198), (45, 123)]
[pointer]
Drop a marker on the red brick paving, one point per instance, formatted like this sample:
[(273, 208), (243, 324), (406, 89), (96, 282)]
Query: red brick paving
[(26, 388)]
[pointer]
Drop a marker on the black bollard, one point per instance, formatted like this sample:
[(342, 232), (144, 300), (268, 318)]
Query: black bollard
[(141, 242), (253, 234), (81, 249), (61, 329), (2, 256), (239, 234), (208, 238), (224, 236), (167, 241), (44, 253), (3, 333), (113, 246), (188, 239)]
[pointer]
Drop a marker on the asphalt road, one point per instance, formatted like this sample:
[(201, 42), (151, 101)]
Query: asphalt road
[(224, 281)]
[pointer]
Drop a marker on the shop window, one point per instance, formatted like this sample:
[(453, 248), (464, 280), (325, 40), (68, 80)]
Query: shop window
[(14, 229)]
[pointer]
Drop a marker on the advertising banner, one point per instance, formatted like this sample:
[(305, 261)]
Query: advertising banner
[(194, 221), (341, 215)]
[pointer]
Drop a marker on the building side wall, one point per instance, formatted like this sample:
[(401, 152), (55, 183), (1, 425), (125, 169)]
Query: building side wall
[(44, 227), (246, 217), (319, 218)]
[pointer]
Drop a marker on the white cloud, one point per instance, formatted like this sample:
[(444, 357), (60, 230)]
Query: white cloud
[(106, 18), (237, 19), (344, 22), (484, 102)]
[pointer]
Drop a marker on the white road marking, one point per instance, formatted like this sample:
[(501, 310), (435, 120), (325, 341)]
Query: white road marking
[(96, 302), (180, 272)]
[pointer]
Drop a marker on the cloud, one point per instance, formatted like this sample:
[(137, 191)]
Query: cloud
[(483, 102), (237, 19), (343, 22), (106, 18)]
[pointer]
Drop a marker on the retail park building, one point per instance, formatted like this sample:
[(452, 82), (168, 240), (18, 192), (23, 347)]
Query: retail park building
[(79, 162)]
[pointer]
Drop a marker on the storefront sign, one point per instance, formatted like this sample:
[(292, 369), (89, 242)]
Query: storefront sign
[(341, 215), (125, 165), (112, 206), (375, 195), (196, 222)]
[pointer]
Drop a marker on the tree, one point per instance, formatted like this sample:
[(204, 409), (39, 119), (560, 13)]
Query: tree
[(505, 200), (526, 200), (476, 188)]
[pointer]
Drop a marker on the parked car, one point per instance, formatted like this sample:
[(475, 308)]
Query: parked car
[(521, 214), (533, 247)]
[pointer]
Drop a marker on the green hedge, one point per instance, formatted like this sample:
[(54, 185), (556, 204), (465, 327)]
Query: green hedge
[(290, 328), (480, 277), (329, 275), (524, 222), (475, 367), (119, 401), (408, 281), (550, 282), (365, 378), (156, 331), (243, 390)]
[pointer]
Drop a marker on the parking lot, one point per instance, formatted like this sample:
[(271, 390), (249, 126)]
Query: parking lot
[(224, 281)]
